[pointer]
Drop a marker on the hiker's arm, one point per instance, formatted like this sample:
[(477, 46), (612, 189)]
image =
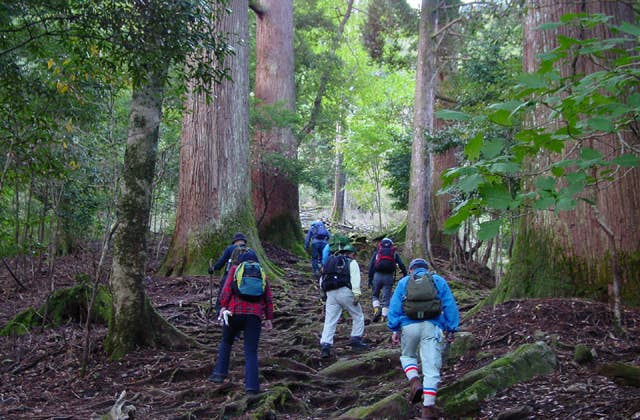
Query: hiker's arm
[(371, 269), (225, 296), (354, 272), (326, 253), (449, 305), (223, 259), (307, 239), (395, 307), (403, 268)]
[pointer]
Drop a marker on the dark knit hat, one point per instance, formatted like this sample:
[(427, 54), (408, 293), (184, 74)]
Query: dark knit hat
[(386, 243), (239, 237), (418, 263), (250, 255)]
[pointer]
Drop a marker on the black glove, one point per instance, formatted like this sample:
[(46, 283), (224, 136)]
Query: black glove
[(211, 270)]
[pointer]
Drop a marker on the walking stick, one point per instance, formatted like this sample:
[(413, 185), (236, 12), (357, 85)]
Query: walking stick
[(210, 290)]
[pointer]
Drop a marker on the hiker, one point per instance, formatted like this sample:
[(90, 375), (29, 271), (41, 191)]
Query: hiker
[(423, 310), (317, 236), (225, 260), (246, 299), (340, 281), (382, 273)]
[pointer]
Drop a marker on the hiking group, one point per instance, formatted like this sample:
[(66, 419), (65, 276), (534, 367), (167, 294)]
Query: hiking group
[(421, 313)]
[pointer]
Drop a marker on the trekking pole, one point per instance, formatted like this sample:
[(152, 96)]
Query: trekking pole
[(210, 289)]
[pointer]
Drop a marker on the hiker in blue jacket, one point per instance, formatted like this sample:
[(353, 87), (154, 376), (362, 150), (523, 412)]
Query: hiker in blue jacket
[(225, 261), (423, 336), (317, 236)]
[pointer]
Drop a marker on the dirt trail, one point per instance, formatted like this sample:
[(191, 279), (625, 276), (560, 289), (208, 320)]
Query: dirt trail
[(40, 370)]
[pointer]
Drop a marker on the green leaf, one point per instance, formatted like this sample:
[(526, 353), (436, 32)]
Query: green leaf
[(532, 80), (473, 147), (544, 202), (505, 168), (601, 124), (630, 29), (546, 183), (492, 148), (448, 114), (488, 230), (470, 183), (501, 117), (566, 203), (627, 160), (549, 26), (557, 171), (587, 153), (497, 196)]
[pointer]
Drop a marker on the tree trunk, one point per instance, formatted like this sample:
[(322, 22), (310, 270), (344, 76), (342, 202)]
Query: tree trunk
[(275, 189), (214, 199), (417, 243), (339, 181), (440, 208), (568, 253), (135, 322)]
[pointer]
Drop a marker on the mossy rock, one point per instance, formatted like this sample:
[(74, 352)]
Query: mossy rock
[(622, 373), (526, 362), (393, 406), (464, 342), (61, 306), (374, 362), (583, 354)]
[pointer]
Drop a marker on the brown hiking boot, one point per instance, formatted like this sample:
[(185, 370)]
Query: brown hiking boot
[(429, 412), (415, 393)]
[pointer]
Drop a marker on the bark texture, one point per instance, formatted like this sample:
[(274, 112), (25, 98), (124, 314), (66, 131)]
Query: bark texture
[(417, 243), (569, 253), (135, 322), (214, 199), (275, 190)]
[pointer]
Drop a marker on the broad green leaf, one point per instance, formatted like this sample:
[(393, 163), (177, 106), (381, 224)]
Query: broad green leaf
[(630, 28), (532, 80), (505, 168), (587, 153), (497, 196), (557, 171), (549, 26), (634, 100), (470, 183), (492, 148), (566, 203), (501, 117), (488, 230), (627, 160), (461, 213), (601, 124), (544, 202), (472, 149), (546, 183), (448, 114), (509, 105)]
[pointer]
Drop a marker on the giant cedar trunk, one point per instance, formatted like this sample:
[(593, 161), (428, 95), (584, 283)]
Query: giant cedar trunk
[(275, 191), (417, 239), (135, 322), (567, 253), (214, 199)]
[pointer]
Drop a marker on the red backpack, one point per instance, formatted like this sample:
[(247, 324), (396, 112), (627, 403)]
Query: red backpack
[(385, 259)]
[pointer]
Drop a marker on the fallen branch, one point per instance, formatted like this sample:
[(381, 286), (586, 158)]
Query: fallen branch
[(22, 286)]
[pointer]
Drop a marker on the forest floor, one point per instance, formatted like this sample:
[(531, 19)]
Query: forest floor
[(40, 370)]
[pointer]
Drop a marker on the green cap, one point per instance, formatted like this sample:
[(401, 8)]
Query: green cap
[(347, 248)]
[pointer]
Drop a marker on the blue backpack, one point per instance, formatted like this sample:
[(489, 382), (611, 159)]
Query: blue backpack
[(249, 281), (319, 230)]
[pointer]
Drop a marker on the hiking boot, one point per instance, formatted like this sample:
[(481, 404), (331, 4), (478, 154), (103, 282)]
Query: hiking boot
[(429, 412), (359, 346), (415, 392), (325, 352), (377, 313), (215, 378)]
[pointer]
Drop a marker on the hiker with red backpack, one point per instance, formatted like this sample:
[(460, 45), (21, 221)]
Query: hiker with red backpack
[(318, 236), (424, 311), (382, 272), (246, 299)]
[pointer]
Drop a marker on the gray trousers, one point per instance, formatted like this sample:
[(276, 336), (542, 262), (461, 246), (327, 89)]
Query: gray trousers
[(337, 301)]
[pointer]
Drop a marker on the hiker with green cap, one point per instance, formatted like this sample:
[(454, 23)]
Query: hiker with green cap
[(225, 261), (340, 281), (422, 310)]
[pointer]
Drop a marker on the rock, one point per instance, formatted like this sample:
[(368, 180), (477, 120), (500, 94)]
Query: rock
[(527, 361), (463, 342), (395, 406), (583, 354)]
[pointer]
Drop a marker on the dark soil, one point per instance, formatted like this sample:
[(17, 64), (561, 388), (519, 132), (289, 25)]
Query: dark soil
[(41, 370)]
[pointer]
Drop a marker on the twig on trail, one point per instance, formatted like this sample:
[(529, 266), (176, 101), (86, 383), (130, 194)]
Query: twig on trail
[(13, 275)]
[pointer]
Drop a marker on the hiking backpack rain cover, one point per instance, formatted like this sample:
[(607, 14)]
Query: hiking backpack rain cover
[(335, 273), (385, 259), (249, 281), (421, 299)]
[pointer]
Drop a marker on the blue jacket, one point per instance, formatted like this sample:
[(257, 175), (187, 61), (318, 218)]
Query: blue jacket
[(326, 253), (448, 320), (224, 258)]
